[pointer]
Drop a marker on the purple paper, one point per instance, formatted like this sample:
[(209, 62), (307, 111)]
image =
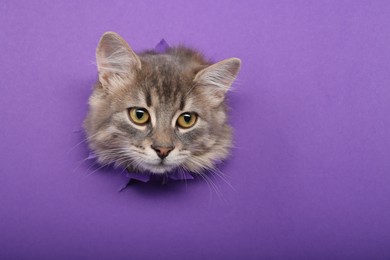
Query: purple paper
[(139, 176), (91, 156), (180, 176), (162, 46), (309, 174), (145, 177)]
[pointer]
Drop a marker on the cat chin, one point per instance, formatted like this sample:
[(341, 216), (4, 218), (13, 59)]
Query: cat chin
[(158, 168)]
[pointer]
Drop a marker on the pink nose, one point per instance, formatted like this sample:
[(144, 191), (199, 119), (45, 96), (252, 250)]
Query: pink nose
[(162, 151)]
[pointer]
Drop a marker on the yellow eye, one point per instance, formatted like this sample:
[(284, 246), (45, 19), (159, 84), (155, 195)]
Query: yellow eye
[(139, 116), (187, 120)]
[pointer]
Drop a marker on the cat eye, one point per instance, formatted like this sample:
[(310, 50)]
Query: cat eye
[(187, 120), (139, 116)]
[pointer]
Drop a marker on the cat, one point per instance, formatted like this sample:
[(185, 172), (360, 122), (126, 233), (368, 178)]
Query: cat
[(159, 112)]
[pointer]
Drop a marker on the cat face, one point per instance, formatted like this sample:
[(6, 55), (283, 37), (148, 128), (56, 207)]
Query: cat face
[(159, 112)]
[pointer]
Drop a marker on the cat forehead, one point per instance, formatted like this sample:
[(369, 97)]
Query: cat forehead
[(164, 84), (164, 98), (165, 69)]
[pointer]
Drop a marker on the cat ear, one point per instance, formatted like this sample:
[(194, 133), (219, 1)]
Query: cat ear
[(115, 59), (216, 79)]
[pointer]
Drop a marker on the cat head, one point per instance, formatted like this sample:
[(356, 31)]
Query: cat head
[(159, 112)]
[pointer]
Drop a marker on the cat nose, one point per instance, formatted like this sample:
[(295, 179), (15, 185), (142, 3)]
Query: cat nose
[(162, 151)]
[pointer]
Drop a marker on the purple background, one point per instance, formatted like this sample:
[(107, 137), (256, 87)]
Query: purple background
[(311, 117)]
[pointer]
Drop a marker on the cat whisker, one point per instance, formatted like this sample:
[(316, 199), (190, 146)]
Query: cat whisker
[(208, 184), (223, 177), (102, 166), (233, 146), (216, 188), (213, 185), (80, 162), (181, 171), (81, 142), (213, 170)]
